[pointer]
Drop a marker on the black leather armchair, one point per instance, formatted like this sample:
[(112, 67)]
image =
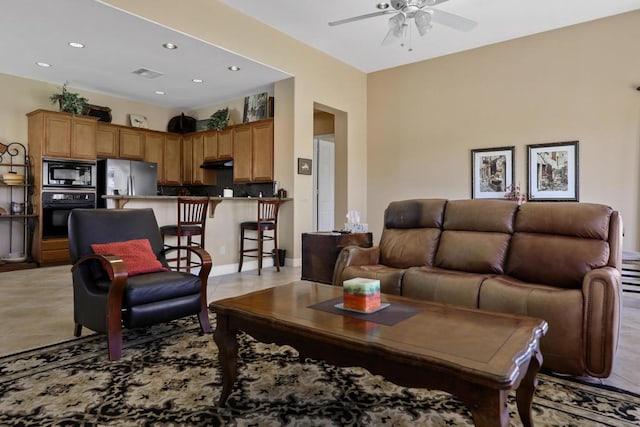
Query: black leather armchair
[(106, 305)]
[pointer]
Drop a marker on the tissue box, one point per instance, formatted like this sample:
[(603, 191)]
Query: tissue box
[(361, 294)]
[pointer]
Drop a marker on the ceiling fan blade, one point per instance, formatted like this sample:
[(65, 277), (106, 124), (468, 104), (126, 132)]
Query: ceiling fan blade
[(454, 21), (359, 17), (432, 2)]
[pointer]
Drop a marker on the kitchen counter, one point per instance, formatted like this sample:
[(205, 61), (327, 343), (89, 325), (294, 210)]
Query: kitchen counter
[(121, 201)]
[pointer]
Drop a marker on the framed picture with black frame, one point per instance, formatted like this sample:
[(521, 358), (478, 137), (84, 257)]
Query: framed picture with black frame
[(492, 172), (553, 172)]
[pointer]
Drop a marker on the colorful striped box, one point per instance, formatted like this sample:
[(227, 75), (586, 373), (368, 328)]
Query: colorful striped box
[(361, 294)]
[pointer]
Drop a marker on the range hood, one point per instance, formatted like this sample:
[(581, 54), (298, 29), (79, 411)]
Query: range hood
[(218, 164)]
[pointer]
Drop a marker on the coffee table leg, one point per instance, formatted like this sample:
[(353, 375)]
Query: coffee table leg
[(524, 393), (490, 408), (227, 342)]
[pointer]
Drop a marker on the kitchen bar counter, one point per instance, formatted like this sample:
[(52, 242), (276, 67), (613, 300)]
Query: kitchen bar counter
[(121, 201), (223, 231)]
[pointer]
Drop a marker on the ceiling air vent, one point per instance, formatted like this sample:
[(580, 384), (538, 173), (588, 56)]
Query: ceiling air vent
[(145, 72)]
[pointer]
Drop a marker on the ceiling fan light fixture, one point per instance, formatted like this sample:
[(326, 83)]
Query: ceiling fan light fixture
[(423, 21), (396, 23)]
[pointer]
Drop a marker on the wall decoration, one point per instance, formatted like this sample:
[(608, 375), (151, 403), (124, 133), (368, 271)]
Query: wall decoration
[(304, 166), (138, 121), (491, 172), (255, 107), (553, 171)]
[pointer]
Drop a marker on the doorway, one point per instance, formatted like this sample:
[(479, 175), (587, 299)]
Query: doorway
[(324, 183)]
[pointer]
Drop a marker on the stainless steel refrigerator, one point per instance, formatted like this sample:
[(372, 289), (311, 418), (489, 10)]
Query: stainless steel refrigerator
[(126, 178)]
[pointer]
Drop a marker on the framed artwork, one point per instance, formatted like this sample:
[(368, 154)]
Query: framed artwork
[(138, 121), (491, 172), (255, 107), (553, 171), (304, 166)]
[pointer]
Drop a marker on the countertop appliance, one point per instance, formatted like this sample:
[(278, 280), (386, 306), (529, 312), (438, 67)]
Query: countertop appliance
[(126, 178), (65, 173)]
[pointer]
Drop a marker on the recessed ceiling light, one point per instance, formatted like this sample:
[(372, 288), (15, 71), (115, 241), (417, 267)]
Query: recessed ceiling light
[(234, 68), (170, 46), (43, 64), (76, 44), (160, 92), (197, 81), (382, 6)]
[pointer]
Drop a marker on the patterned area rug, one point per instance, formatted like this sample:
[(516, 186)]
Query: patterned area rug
[(169, 375)]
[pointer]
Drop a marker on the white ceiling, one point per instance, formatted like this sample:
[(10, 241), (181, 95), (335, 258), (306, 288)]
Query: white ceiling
[(359, 43), (118, 43)]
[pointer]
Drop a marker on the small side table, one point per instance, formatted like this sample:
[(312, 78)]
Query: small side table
[(320, 251)]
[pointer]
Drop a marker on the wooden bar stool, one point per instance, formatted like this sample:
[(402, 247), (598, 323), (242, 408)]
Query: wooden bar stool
[(267, 221), (192, 218)]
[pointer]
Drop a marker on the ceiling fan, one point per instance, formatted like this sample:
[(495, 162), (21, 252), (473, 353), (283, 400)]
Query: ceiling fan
[(420, 11)]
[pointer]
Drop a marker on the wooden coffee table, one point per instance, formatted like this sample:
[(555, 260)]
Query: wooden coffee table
[(475, 355)]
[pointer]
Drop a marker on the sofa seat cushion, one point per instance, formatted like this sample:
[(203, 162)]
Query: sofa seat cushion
[(390, 278), (445, 286), (563, 346)]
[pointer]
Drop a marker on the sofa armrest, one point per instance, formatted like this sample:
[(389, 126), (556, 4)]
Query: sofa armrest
[(602, 292), (354, 255)]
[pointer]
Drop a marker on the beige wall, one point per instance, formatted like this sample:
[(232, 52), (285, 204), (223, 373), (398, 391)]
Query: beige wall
[(317, 78), (576, 83)]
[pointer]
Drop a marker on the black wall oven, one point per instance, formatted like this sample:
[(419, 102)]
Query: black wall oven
[(76, 174), (56, 207)]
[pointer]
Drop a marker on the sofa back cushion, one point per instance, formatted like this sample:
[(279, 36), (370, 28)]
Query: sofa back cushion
[(411, 232), (476, 235), (558, 243)]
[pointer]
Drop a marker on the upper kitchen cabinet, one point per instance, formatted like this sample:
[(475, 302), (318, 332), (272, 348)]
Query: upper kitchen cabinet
[(262, 151), (242, 153), (225, 144), (172, 159), (63, 135), (107, 141), (131, 143), (253, 152), (187, 159), (154, 152), (210, 147)]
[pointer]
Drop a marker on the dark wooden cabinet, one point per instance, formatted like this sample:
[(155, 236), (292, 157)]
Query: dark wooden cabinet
[(320, 251)]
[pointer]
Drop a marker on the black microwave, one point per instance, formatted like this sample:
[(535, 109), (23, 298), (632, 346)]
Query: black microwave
[(68, 173)]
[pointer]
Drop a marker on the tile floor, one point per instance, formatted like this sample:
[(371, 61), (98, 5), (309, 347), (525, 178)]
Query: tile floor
[(37, 310)]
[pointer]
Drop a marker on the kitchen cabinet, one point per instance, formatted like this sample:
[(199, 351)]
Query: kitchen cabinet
[(197, 157), (210, 145), (107, 141), (172, 159), (187, 159), (253, 152), (225, 143), (131, 143), (262, 151), (154, 152), (63, 135), (242, 153)]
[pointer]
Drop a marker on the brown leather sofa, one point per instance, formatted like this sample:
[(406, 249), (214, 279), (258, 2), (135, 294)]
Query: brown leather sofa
[(556, 261)]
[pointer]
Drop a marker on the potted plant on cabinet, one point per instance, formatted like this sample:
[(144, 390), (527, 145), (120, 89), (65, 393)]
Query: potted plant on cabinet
[(219, 119), (69, 102)]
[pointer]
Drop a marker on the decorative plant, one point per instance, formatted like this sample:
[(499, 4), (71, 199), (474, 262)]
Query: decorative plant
[(513, 193), (219, 119), (69, 102)]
